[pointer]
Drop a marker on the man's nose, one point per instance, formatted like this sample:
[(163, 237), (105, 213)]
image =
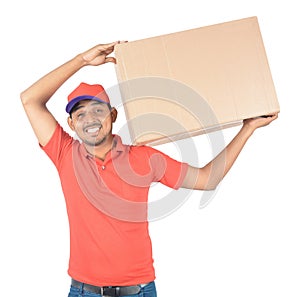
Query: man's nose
[(91, 117)]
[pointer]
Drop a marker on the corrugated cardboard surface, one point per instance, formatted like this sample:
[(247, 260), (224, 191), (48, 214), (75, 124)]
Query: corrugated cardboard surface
[(192, 82)]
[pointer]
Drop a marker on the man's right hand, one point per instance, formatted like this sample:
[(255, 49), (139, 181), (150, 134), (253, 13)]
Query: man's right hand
[(99, 54)]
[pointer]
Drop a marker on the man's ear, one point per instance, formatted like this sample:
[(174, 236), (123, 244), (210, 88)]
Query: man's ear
[(114, 114), (71, 124)]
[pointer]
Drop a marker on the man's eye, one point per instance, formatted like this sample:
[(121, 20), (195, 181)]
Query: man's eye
[(80, 115), (99, 110)]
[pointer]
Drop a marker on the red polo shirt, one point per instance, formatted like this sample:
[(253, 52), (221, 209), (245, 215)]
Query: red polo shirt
[(107, 207)]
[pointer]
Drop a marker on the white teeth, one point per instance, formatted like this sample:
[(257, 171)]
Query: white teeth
[(93, 130)]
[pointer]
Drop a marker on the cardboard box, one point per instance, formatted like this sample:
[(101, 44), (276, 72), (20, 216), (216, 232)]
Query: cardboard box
[(193, 82)]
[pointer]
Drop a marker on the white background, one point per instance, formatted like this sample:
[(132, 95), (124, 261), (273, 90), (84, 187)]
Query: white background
[(244, 243)]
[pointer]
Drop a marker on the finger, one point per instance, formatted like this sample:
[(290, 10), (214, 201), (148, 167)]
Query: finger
[(275, 116), (271, 118), (110, 60), (109, 48), (110, 45)]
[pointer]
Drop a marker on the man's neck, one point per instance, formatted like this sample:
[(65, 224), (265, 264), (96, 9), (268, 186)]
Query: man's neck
[(100, 151)]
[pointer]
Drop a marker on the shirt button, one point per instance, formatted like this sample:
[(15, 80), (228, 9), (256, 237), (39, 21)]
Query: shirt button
[(103, 167)]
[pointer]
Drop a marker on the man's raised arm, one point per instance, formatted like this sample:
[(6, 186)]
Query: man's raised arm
[(34, 98), (208, 177)]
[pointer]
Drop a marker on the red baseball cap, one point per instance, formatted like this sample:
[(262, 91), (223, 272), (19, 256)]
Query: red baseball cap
[(87, 92)]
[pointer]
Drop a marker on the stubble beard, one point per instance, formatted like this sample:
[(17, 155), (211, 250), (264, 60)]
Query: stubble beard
[(94, 143)]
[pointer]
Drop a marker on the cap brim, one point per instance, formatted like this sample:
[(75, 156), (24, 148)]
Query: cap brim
[(72, 103)]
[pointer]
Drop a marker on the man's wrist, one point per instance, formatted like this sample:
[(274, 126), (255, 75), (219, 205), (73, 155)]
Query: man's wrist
[(80, 60), (247, 130)]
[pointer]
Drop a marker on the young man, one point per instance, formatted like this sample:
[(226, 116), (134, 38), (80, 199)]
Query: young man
[(105, 182)]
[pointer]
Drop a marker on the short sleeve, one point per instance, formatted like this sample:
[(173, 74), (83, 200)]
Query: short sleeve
[(58, 146), (167, 170)]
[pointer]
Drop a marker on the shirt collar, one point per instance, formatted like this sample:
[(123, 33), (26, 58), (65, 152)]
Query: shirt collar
[(118, 144)]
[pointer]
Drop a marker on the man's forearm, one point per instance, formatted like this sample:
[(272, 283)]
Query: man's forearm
[(42, 90), (208, 177), (221, 164)]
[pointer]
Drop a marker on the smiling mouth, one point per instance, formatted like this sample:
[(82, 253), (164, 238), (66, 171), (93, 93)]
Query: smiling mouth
[(93, 130)]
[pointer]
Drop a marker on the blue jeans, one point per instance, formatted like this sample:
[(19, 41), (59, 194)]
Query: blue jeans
[(147, 291)]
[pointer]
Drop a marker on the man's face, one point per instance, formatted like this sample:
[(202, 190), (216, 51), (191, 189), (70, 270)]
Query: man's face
[(92, 121)]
